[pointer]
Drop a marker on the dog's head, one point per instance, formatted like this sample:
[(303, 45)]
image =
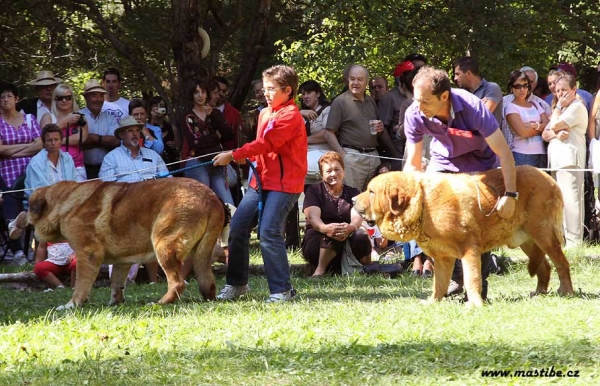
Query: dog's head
[(392, 201), (41, 215)]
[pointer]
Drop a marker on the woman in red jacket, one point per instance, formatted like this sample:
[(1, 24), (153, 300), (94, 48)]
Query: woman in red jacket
[(280, 154)]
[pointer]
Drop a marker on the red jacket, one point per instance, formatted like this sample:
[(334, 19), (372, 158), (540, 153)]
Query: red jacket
[(279, 149)]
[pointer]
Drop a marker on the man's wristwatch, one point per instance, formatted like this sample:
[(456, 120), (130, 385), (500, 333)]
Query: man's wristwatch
[(147, 137), (514, 195)]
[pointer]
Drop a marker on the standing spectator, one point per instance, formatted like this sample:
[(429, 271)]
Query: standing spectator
[(251, 117), (594, 119), (152, 134), (378, 88), (566, 133), (158, 117), (527, 122), (75, 130), (315, 110), (586, 97), (131, 162), (204, 131), (466, 138), (466, 75), (19, 142), (44, 85), (535, 100), (280, 153), (115, 104), (101, 127), (234, 119), (348, 131), (390, 106), (552, 76)]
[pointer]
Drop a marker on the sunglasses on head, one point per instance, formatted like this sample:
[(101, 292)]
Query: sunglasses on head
[(520, 86), (63, 98)]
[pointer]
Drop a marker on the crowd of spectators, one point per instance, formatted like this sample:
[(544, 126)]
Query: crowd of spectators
[(544, 121)]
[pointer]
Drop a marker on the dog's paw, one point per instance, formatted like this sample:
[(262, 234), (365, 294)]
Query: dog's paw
[(70, 305)]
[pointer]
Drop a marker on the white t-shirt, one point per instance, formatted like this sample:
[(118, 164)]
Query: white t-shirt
[(58, 253), (117, 109), (531, 145), (571, 151)]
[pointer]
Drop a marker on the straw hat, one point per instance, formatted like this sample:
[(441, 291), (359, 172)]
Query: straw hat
[(93, 85), (45, 78), (126, 122)]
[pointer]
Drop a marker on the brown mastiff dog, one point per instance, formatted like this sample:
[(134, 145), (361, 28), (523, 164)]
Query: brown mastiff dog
[(123, 223), (453, 216)]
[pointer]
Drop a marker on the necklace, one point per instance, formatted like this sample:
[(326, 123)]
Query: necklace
[(331, 192)]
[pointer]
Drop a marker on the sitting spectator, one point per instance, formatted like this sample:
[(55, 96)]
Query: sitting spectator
[(75, 130), (47, 167), (19, 141), (330, 220), (153, 138), (158, 117), (53, 260), (132, 163), (526, 120), (315, 110), (205, 131)]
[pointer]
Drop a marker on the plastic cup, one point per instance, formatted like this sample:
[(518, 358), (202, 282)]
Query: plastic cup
[(373, 126)]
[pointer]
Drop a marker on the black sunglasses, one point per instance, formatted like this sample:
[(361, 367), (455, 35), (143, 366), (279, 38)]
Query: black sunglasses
[(63, 98), (520, 86)]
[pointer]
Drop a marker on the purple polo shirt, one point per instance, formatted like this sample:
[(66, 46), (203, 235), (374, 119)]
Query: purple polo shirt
[(459, 146)]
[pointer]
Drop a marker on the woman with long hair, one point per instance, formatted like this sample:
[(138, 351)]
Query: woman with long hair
[(74, 127)]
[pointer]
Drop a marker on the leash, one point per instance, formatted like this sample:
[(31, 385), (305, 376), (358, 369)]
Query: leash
[(210, 163)]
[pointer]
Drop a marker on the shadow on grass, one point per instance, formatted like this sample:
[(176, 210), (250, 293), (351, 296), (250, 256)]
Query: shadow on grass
[(409, 362)]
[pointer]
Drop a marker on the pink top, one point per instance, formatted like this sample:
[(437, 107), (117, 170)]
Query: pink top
[(12, 168), (75, 148)]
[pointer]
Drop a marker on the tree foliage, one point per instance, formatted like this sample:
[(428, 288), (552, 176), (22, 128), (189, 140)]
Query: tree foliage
[(156, 46)]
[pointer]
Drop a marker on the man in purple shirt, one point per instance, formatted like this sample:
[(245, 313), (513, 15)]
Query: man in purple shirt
[(466, 138)]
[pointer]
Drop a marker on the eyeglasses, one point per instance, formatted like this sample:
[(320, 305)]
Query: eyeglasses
[(133, 130), (61, 98), (520, 86), (271, 90)]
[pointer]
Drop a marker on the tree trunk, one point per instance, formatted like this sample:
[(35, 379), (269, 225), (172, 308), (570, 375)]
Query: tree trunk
[(253, 51), (187, 45)]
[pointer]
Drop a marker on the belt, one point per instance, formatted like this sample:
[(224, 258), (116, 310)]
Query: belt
[(360, 149)]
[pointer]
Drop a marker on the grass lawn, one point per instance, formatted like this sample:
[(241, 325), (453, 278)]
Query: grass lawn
[(340, 331)]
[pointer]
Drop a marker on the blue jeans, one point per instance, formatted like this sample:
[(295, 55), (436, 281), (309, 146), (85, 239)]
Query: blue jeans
[(276, 207), (213, 177), (537, 160)]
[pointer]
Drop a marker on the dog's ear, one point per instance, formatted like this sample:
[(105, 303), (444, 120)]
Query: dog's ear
[(37, 205), (398, 200)]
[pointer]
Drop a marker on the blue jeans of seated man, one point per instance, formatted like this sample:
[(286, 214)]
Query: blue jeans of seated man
[(213, 177), (276, 207)]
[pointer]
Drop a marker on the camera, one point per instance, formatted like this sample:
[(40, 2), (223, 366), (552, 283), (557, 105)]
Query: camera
[(81, 120), (161, 110)]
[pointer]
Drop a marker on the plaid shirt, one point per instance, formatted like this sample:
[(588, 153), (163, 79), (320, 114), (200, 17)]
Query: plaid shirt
[(119, 165), (12, 168)]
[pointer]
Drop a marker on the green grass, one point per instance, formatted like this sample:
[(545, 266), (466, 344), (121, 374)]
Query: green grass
[(340, 331)]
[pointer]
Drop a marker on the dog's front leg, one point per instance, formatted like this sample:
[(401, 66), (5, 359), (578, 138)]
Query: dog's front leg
[(117, 283), (441, 277), (88, 267), (471, 263)]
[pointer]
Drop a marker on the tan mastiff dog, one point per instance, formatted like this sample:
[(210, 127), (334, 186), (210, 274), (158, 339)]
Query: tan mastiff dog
[(124, 223), (453, 216)]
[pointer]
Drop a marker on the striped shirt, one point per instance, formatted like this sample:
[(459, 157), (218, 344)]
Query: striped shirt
[(12, 168), (119, 165)]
